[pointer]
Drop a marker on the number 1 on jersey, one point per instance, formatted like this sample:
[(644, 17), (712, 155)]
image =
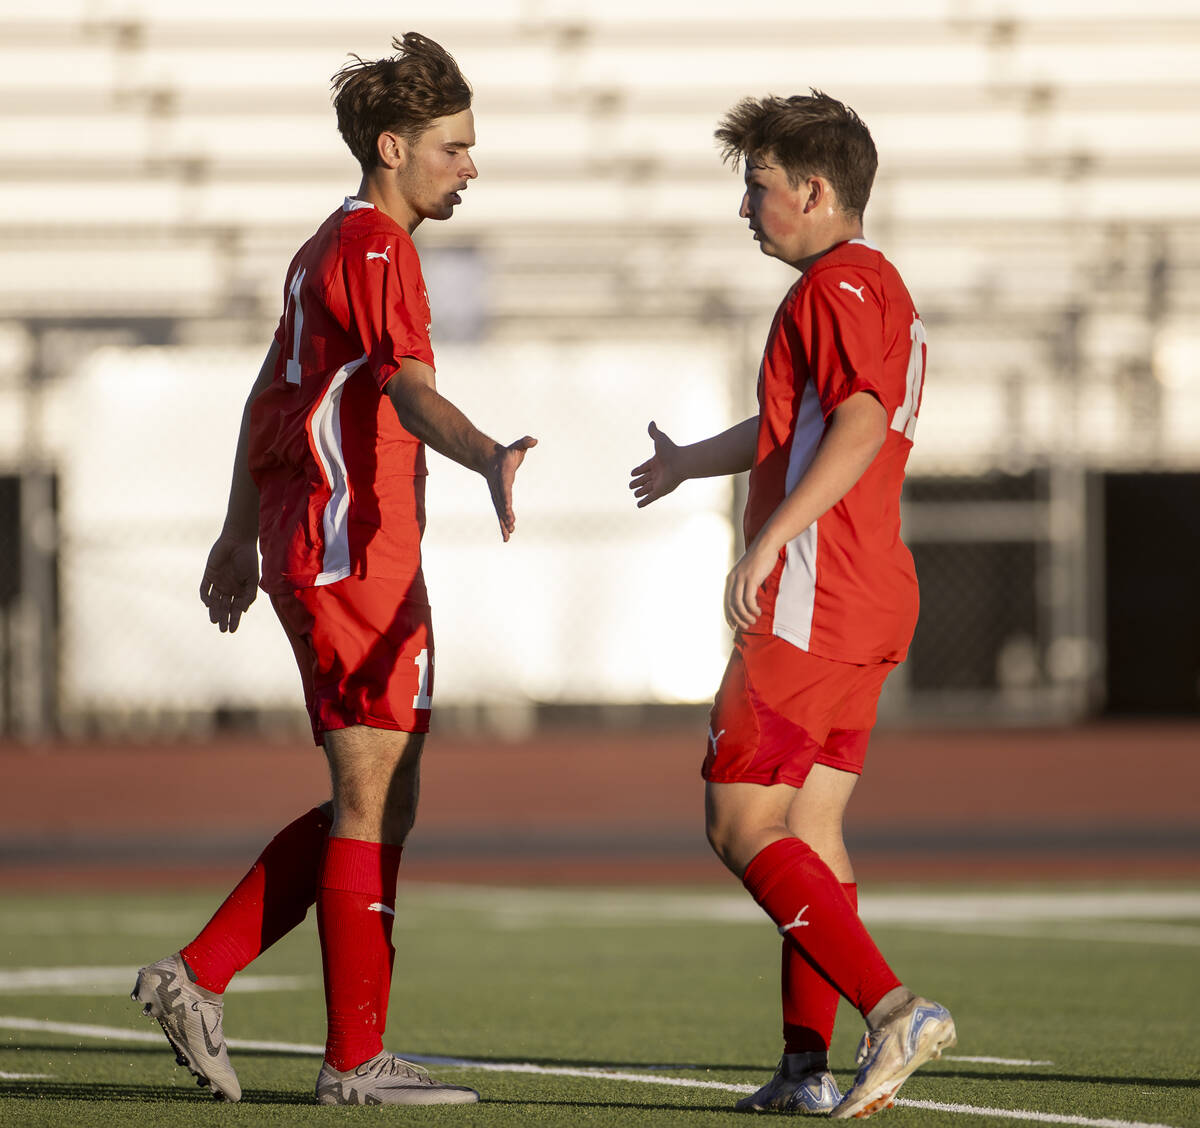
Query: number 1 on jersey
[(423, 699), (296, 311), (905, 419)]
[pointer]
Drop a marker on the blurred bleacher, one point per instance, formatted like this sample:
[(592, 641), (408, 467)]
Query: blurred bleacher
[(1039, 188), (1035, 156)]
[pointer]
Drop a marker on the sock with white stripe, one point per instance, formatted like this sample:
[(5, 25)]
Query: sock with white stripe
[(808, 905), (356, 905), (810, 1001)]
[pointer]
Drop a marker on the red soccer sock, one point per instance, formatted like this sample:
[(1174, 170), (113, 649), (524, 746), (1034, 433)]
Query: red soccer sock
[(356, 904), (810, 1001), (800, 894), (273, 897)]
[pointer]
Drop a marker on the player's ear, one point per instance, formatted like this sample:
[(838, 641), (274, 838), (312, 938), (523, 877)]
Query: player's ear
[(815, 191), (392, 150)]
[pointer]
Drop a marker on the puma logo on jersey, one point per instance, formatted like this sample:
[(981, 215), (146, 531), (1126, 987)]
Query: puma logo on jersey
[(855, 290), (380, 254), (799, 922)]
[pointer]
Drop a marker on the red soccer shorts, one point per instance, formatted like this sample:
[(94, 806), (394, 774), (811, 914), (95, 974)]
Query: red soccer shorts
[(365, 651), (780, 710)]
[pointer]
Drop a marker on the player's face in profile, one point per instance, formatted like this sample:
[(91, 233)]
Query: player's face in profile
[(774, 209), (439, 166)]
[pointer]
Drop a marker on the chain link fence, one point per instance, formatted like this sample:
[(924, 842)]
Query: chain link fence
[(1024, 571)]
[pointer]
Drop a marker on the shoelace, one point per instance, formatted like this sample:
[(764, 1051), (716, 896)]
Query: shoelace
[(392, 1066)]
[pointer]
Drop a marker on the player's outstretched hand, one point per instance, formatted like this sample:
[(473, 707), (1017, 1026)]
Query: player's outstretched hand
[(230, 581), (659, 474), (500, 473)]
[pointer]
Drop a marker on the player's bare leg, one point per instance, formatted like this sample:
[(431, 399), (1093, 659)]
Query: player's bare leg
[(816, 814), (376, 783), (742, 819), (376, 776)]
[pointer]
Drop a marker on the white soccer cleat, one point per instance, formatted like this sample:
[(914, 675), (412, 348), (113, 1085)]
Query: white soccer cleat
[(909, 1037), (796, 1088), (387, 1079), (191, 1018)]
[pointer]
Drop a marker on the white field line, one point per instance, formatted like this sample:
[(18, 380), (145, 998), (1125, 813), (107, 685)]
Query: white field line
[(111, 980), (993, 1060), (523, 908), (120, 1034), (89, 922), (1129, 915), (1113, 932), (25, 1076)]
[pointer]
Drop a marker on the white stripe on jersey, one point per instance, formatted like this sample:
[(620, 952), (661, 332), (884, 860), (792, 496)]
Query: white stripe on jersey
[(326, 424), (798, 584)]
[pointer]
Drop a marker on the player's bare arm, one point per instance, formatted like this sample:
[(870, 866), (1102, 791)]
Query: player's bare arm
[(434, 420), (230, 580), (730, 452), (856, 431)]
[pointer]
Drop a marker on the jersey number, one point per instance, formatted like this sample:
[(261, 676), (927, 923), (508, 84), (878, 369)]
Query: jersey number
[(296, 312), (423, 699), (905, 419)]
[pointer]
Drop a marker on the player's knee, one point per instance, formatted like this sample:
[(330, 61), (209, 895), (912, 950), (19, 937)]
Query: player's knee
[(718, 839), (722, 832), (736, 842), (396, 824), (825, 840)]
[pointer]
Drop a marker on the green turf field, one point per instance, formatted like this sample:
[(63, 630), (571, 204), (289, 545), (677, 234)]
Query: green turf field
[(1089, 998)]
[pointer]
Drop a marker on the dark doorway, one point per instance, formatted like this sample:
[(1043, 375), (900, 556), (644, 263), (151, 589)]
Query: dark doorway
[(1152, 592)]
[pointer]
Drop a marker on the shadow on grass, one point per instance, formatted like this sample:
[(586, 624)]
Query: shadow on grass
[(99, 1091), (93, 1092)]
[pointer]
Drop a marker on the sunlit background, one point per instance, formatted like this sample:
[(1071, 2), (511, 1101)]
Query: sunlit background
[(1039, 189)]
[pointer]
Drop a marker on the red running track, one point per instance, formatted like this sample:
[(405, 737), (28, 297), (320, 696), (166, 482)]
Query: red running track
[(1113, 800)]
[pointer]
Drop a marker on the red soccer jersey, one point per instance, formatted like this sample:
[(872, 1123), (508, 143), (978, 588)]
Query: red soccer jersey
[(341, 482), (845, 588)]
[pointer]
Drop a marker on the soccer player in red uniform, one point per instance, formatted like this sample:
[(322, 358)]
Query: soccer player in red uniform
[(329, 481), (824, 600)]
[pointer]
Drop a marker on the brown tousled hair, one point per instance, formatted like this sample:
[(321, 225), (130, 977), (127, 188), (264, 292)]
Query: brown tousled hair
[(402, 94), (807, 135)]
